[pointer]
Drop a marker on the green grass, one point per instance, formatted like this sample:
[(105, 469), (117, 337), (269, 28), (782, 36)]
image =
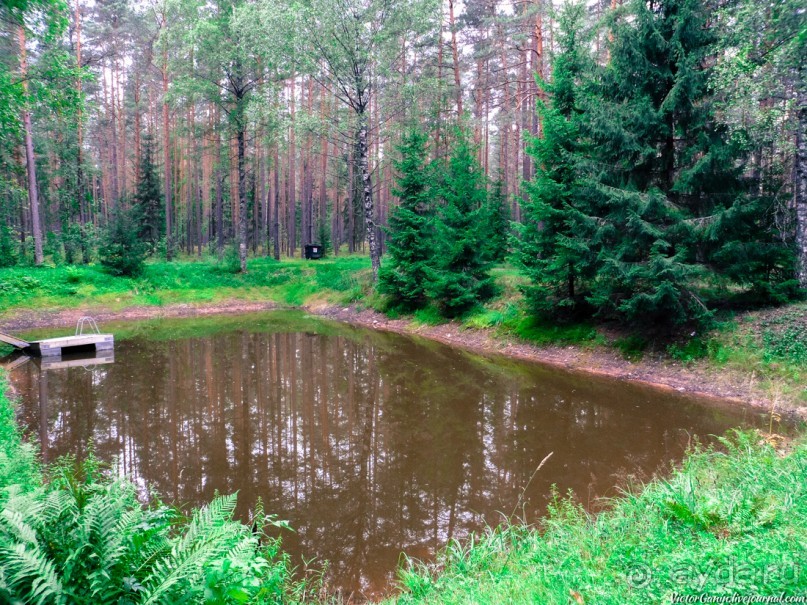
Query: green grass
[(289, 282), (727, 522)]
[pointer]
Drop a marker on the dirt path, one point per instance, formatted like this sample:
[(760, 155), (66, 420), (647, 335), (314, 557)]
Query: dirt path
[(697, 380)]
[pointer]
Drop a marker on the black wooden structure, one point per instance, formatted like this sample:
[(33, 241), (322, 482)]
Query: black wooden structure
[(313, 251)]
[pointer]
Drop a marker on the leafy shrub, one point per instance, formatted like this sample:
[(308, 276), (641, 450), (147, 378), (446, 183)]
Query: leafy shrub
[(231, 262)]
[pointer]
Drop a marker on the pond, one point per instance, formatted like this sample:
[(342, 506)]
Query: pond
[(370, 444)]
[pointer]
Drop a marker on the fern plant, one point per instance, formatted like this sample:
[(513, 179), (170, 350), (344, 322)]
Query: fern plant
[(90, 541)]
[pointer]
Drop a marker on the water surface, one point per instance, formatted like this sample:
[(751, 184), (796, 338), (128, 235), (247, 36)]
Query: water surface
[(370, 444)]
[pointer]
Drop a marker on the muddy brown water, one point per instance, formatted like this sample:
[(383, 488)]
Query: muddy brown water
[(369, 444)]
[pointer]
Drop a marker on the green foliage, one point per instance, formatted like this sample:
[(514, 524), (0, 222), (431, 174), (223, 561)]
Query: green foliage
[(458, 277), (89, 541), (410, 245), (496, 222), (788, 344), (8, 248), (122, 252), (641, 201), (18, 464), (552, 247), (632, 347), (339, 280), (430, 316), (53, 248), (729, 521), (324, 236), (148, 203), (231, 261)]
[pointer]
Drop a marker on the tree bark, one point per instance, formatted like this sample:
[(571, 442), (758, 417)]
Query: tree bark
[(455, 58), (30, 160), (800, 186), (242, 197), (367, 195), (276, 202), (167, 159)]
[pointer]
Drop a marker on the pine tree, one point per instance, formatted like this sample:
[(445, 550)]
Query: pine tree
[(147, 198), (403, 277), (459, 279), (552, 248)]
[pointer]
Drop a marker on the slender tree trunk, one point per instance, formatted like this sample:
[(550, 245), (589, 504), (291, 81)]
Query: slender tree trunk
[(276, 202), (83, 213), (167, 160), (367, 194), (800, 186), (30, 160), (292, 176), (455, 58), (242, 197), (219, 211)]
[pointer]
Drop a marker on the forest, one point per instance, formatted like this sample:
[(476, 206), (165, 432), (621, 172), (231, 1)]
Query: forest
[(634, 160), (333, 238)]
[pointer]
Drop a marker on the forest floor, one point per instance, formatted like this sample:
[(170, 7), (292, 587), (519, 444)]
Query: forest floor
[(757, 358)]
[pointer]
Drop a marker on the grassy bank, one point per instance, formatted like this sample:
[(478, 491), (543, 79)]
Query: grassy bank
[(765, 350), (726, 523), (206, 280)]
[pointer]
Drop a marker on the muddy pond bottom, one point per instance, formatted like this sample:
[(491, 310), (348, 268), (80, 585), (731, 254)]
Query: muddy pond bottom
[(369, 444)]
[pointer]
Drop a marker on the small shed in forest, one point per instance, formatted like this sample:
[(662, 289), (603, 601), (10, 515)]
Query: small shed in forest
[(313, 251)]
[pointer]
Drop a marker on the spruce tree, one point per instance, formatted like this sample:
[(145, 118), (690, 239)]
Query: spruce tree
[(403, 276), (666, 202), (147, 199), (497, 224), (552, 246), (458, 277), (122, 252)]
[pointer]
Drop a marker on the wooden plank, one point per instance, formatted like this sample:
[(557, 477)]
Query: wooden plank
[(14, 341), (55, 346)]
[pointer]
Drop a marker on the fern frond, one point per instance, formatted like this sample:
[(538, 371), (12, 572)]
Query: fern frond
[(31, 575)]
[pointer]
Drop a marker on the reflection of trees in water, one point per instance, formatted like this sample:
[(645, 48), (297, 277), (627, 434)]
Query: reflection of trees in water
[(370, 444)]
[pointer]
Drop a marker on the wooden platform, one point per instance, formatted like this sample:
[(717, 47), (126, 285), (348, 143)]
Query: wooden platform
[(66, 344)]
